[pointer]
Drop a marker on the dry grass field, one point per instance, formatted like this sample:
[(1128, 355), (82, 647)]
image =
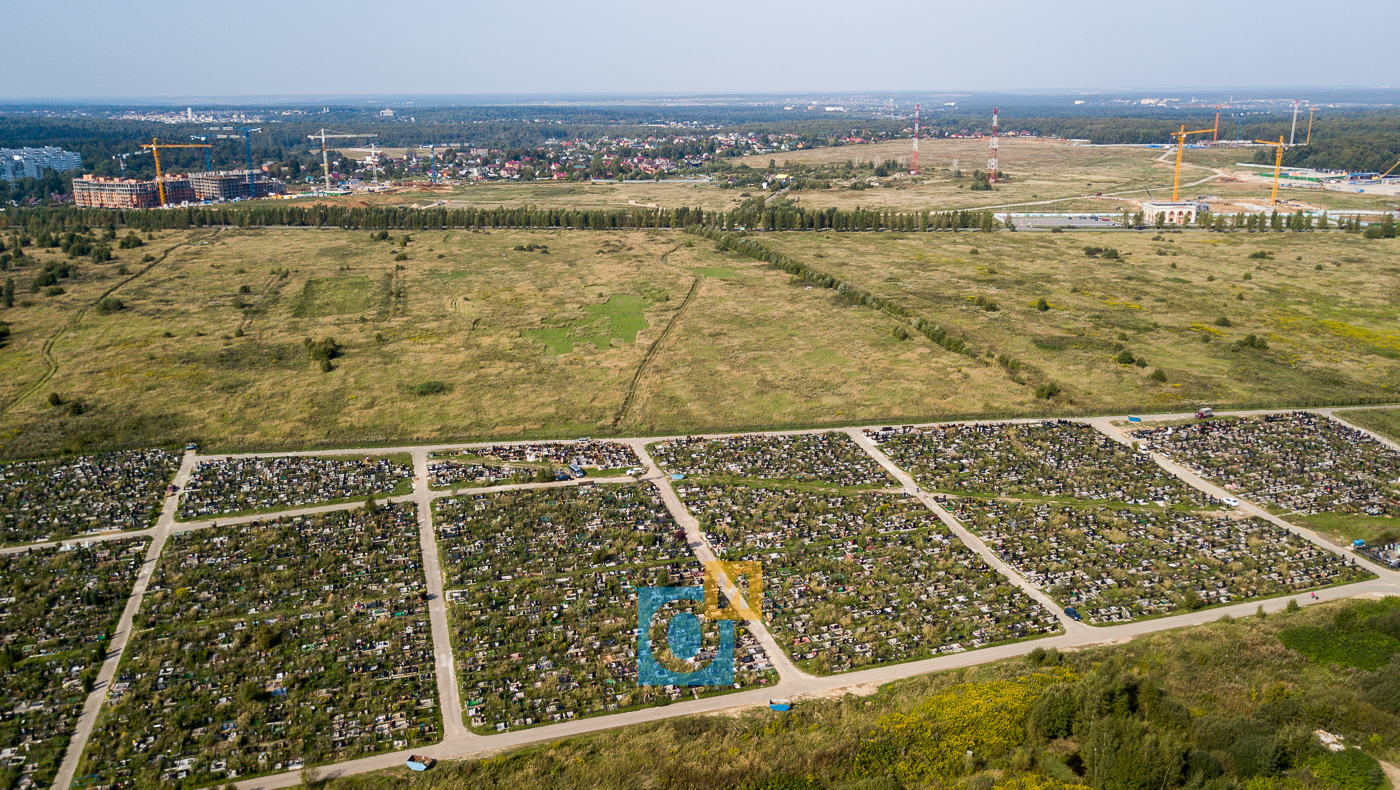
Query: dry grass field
[(472, 339)]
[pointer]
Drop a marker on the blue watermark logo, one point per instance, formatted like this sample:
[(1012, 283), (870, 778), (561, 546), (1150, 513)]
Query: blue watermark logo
[(684, 638), (684, 633)]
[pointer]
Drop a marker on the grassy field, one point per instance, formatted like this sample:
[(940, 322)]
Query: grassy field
[(658, 332), (1385, 422)]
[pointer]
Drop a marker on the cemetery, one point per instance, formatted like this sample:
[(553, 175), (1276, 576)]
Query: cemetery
[(542, 586), (1114, 564), (831, 458), (56, 498), (58, 607), (1052, 459), (858, 579), (252, 485), (1292, 463), (540, 462), (271, 646)]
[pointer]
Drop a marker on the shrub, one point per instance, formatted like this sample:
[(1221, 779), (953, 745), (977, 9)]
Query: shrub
[(1158, 375), (403, 256), (1047, 391), (55, 399), (109, 305), (324, 349), (900, 333), (429, 388), (1361, 649), (1222, 321), (986, 303), (147, 258), (1261, 255), (76, 407), (1252, 341), (1349, 769), (245, 289), (1124, 357), (326, 366), (1042, 305)]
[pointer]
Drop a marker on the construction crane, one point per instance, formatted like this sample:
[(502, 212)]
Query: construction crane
[(1388, 172), (208, 152), (1278, 163), (323, 136), (372, 161), (1216, 137), (243, 132), (1181, 144), (155, 146), (1311, 110)]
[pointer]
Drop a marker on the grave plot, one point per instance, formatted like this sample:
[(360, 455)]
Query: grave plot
[(866, 578), (270, 646), (544, 611), (1057, 460), (1118, 564), (57, 611), (251, 485), (540, 462), (553, 532), (91, 493), (1301, 462), (831, 458)]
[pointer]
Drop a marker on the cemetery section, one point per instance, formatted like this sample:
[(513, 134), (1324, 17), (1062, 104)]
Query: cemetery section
[(542, 586), (1300, 463), (252, 485), (540, 462), (58, 607), (1051, 460), (832, 458), (56, 498), (554, 532), (270, 646), (862, 578), (1114, 564)]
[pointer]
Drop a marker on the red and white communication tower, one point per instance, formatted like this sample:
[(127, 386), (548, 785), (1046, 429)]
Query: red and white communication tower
[(914, 171), (992, 157)]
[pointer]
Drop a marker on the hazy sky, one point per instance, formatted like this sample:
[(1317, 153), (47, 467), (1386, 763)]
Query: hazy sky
[(154, 48)]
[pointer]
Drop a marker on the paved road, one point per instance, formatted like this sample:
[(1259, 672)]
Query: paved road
[(449, 690), (459, 742)]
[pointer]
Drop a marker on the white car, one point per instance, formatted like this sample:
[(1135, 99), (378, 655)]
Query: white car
[(1231, 501)]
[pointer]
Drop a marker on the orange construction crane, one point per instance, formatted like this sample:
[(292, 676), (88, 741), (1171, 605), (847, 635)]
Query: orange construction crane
[(1180, 144), (155, 146), (1215, 136), (1278, 162)]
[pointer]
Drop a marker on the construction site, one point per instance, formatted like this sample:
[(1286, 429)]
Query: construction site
[(210, 187)]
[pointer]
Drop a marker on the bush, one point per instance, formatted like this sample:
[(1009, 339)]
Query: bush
[(1261, 255), (326, 366), (403, 256), (1158, 375), (429, 388), (1042, 305), (986, 303), (1047, 391), (109, 305), (1124, 357), (55, 399), (324, 349), (1252, 341), (76, 407), (1349, 769), (1361, 649), (1222, 321)]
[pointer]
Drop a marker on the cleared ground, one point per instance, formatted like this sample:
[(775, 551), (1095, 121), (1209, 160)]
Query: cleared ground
[(470, 338)]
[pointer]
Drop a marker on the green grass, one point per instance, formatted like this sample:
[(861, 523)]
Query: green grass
[(334, 296), (1363, 650), (1385, 422), (1349, 527)]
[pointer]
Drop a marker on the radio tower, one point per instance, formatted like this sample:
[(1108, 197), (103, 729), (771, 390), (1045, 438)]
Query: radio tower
[(914, 171), (992, 157)]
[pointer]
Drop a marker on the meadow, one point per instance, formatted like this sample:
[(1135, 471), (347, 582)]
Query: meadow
[(221, 338)]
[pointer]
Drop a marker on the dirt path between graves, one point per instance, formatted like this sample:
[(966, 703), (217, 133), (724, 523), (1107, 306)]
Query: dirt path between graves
[(458, 742), (46, 350)]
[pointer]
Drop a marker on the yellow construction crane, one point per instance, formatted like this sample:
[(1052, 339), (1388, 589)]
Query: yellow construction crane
[(1388, 172), (155, 146), (1180, 144), (1278, 162), (1311, 110), (324, 135)]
